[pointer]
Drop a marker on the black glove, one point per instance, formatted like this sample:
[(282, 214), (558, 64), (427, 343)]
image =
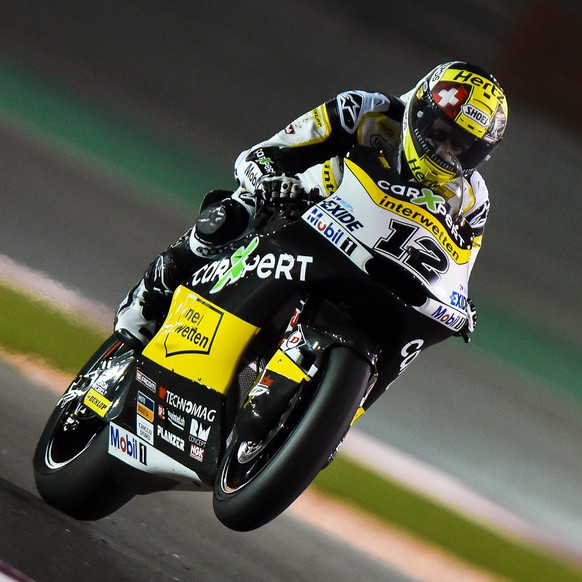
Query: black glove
[(471, 322), (280, 189)]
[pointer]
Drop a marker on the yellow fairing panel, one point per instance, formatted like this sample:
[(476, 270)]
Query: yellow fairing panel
[(282, 364), (200, 341), (360, 412)]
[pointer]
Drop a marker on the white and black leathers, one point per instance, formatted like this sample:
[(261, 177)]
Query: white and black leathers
[(311, 148), (313, 145)]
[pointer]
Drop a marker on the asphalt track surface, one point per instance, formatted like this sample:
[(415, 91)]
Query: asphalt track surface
[(167, 537), (510, 435)]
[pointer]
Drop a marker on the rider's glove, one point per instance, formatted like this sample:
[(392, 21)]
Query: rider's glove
[(280, 189), (471, 322)]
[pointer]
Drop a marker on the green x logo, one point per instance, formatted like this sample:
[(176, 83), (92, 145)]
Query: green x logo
[(429, 199), (237, 265)]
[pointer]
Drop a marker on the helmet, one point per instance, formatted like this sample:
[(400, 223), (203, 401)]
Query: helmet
[(457, 112)]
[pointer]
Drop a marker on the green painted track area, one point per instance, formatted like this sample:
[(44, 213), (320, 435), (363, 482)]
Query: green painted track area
[(42, 106)]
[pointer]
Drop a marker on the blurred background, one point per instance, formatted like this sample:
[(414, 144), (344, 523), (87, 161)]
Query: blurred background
[(216, 79), (116, 117)]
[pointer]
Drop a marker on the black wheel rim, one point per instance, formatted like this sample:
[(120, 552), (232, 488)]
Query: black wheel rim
[(76, 430), (245, 460)]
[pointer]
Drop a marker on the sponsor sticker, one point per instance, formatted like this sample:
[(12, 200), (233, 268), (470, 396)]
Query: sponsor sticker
[(458, 299), (198, 439), (170, 437), (96, 402), (176, 420), (475, 114), (341, 211), (145, 430), (198, 432), (334, 232), (145, 381), (187, 406), (447, 315), (145, 406), (452, 319), (199, 340), (126, 446), (138, 453), (410, 352), (194, 329), (295, 340), (197, 452), (228, 271)]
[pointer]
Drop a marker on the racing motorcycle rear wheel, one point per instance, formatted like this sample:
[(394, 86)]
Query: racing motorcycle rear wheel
[(71, 462), (256, 482)]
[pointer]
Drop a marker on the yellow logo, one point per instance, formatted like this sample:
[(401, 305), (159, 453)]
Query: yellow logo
[(317, 117), (96, 402), (200, 341), (192, 327), (145, 406), (329, 181)]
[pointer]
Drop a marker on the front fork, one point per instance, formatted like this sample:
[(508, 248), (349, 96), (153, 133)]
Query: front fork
[(299, 357)]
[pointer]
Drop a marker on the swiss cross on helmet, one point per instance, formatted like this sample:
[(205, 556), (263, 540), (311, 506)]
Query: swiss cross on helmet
[(456, 110)]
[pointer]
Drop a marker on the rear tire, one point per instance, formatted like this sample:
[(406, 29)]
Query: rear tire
[(71, 462), (247, 498)]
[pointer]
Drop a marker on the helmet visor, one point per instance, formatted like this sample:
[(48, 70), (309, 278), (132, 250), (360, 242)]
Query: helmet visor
[(436, 131)]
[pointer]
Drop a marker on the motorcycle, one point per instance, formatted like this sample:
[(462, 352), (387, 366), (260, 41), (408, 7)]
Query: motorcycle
[(267, 356)]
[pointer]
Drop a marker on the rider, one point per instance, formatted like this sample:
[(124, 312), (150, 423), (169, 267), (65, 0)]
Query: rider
[(457, 109)]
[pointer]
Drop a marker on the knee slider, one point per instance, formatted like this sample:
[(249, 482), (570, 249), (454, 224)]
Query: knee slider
[(221, 223)]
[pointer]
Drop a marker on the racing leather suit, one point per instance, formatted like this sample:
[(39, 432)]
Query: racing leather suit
[(312, 148)]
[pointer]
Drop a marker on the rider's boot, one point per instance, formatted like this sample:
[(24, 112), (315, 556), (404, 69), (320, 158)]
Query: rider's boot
[(136, 319), (145, 306)]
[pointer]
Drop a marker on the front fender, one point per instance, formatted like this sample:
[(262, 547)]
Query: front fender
[(306, 346)]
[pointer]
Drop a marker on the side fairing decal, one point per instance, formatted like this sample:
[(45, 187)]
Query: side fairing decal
[(200, 341)]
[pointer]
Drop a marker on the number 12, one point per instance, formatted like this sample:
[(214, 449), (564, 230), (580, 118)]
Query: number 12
[(427, 259)]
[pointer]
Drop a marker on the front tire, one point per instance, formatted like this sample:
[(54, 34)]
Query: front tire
[(247, 498), (71, 462)]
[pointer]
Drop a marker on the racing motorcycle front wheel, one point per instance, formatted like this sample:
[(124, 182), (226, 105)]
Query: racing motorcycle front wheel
[(71, 462), (256, 482)]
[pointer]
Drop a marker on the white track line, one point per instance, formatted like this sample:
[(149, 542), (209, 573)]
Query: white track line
[(38, 284), (430, 481), (9, 574)]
